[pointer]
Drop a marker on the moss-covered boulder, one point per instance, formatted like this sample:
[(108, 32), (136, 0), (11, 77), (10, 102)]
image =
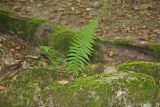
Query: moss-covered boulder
[(104, 90), (62, 38), (21, 90), (149, 68), (39, 88), (112, 90), (20, 26)]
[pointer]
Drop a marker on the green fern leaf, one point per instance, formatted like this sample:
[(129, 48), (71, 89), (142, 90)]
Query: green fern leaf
[(81, 48)]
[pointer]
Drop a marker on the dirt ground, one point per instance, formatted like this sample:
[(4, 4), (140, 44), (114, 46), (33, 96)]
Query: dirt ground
[(139, 21)]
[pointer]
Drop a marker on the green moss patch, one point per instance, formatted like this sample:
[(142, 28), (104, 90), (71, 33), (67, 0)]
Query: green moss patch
[(110, 90), (22, 90), (156, 49), (19, 26), (62, 38), (122, 41), (98, 53), (33, 24), (5, 12), (149, 68)]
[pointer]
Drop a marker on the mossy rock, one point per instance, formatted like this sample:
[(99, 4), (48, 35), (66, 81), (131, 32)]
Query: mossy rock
[(103, 90), (149, 68), (33, 24), (20, 26), (62, 38), (22, 90), (39, 88)]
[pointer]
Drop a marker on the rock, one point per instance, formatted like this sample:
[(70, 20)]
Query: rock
[(61, 39), (43, 34), (111, 90), (22, 89), (40, 88), (149, 68), (109, 69)]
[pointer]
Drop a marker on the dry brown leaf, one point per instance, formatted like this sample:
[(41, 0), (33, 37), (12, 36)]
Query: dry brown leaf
[(112, 54), (19, 47), (1, 45), (63, 82), (2, 88)]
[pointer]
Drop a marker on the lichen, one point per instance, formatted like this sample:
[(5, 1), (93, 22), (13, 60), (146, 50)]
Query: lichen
[(149, 68)]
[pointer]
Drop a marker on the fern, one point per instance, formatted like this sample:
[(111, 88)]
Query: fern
[(81, 48)]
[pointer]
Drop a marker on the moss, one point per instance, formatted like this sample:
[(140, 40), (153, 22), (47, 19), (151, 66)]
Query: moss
[(116, 90), (149, 68), (23, 90), (11, 24), (122, 41), (111, 90), (3, 18), (156, 49), (33, 24), (98, 53), (18, 26), (5, 12), (62, 38)]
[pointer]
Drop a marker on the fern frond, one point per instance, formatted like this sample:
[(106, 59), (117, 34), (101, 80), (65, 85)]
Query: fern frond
[(81, 48)]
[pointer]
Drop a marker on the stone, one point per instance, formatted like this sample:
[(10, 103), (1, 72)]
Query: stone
[(40, 88), (149, 68)]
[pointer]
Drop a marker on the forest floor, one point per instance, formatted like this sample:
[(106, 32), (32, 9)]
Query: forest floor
[(127, 20)]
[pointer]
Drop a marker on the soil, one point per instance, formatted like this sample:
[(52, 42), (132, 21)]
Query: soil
[(128, 20)]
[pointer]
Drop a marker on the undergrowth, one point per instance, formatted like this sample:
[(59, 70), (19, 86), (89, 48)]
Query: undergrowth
[(55, 58), (79, 52)]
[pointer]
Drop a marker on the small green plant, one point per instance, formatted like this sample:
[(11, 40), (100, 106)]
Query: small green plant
[(79, 52), (81, 48), (107, 8), (54, 56)]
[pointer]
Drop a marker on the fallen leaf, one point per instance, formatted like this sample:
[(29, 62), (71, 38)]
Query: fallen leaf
[(2, 88), (111, 54), (63, 82)]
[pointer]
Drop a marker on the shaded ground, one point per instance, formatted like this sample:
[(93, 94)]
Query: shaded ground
[(127, 20)]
